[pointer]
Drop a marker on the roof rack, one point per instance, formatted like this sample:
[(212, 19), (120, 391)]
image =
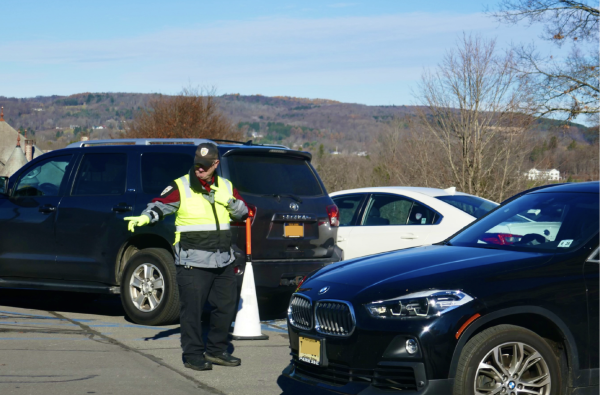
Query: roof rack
[(158, 141)]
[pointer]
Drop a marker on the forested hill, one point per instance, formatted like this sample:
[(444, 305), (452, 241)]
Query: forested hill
[(56, 120)]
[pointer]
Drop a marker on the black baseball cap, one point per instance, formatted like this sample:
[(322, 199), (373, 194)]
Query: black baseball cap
[(206, 155)]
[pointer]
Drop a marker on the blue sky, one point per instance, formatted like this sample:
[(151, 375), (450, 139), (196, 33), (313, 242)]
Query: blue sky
[(370, 52)]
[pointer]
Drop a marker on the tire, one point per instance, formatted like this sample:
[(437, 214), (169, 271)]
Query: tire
[(151, 302), (505, 340)]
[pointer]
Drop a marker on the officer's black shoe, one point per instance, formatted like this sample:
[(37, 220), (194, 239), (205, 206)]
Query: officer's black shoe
[(223, 358), (197, 363)]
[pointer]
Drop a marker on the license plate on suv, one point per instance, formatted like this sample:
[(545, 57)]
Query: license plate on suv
[(310, 351), (293, 230)]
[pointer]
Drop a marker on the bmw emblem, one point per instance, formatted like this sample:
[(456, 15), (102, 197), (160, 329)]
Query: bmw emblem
[(512, 385), (294, 206), (323, 290)]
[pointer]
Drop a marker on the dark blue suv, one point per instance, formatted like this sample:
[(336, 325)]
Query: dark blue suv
[(62, 227)]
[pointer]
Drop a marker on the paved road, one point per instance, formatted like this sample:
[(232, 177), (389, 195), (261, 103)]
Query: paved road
[(69, 343)]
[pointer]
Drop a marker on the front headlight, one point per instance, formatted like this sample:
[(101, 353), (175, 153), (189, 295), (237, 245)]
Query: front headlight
[(420, 304)]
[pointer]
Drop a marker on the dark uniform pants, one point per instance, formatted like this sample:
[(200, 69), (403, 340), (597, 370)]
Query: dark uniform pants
[(196, 287)]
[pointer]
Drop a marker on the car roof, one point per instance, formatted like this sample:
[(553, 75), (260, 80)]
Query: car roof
[(170, 145), (169, 142), (433, 192), (582, 187)]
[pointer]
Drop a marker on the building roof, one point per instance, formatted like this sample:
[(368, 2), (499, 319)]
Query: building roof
[(8, 138), (16, 160)]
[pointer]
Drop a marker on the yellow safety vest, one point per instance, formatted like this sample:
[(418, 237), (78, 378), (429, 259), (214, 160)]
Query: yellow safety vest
[(196, 213)]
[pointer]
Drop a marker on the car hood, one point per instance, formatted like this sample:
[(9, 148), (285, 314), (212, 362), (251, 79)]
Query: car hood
[(416, 269)]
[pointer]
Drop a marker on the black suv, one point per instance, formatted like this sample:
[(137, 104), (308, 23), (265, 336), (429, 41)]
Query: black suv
[(62, 227), (508, 306)]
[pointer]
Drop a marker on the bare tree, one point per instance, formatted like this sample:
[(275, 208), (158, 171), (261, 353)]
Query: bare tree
[(568, 87), (405, 154), (563, 18), (477, 110), (192, 113)]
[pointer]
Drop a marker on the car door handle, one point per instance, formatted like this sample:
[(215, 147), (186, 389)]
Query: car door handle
[(122, 208), (409, 236), (47, 208), (340, 238)]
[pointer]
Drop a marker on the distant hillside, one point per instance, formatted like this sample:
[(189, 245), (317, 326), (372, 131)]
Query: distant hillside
[(54, 121)]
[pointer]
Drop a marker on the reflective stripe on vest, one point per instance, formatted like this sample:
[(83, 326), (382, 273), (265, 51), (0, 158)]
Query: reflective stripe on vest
[(199, 228)]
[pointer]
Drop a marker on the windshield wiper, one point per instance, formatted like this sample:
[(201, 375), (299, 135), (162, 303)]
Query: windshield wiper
[(279, 196)]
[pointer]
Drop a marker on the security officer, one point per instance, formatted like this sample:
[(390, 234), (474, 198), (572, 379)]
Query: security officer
[(204, 204)]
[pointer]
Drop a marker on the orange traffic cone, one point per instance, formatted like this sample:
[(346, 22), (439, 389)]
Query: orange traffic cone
[(247, 320)]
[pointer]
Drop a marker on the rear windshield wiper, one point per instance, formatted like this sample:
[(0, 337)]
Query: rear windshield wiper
[(279, 196)]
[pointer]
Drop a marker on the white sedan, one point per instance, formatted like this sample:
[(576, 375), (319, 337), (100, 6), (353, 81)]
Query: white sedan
[(374, 220)]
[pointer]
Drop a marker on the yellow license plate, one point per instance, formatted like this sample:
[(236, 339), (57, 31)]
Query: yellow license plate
[(293, 230), (310, 351)]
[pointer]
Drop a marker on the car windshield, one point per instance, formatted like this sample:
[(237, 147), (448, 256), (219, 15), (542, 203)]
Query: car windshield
[(540, 222), (273, 175), (472, 205)]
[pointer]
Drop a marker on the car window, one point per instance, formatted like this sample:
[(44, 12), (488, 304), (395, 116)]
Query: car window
[(472, 205), (43, 179), (421, 215), (161, 169), (555, 222), (348, 207), (273, 175), (101, 174), (387, 210)]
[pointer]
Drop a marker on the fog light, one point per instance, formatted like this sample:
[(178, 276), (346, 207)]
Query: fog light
[(411, 346)]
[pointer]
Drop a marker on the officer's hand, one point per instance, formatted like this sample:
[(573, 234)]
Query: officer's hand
[(222, 198), (136, 221)]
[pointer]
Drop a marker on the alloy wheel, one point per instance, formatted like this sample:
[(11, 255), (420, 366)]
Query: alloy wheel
[(147, 287), (512, 369)]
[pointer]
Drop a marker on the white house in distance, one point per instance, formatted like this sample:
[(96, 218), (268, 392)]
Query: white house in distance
[(543, 174)]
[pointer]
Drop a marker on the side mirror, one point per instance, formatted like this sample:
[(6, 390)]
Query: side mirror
[(4, 185)]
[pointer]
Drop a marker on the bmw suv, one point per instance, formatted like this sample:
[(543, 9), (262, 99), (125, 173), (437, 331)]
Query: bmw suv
[(509, 305), (62, 227)]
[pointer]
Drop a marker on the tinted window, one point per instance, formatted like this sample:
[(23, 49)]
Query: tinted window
[(43, 179), (348, 206), (556, 222), (101, 174), (161, 169), (269, 175), (397, 210), (472, 205), (421, 215)]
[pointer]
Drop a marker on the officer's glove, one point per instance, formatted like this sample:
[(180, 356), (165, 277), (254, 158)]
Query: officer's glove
[(222, 198), (137, 221)]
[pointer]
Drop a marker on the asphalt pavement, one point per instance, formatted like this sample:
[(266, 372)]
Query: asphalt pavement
[(70, 343)]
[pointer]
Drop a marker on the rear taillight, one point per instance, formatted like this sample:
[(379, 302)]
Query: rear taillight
[(334, 215), (251, 214), (238, 271), (501, 238)]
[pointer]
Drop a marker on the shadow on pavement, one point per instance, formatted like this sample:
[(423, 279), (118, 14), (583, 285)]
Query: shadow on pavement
[(95, 304), (70, 302), (293, 387)]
